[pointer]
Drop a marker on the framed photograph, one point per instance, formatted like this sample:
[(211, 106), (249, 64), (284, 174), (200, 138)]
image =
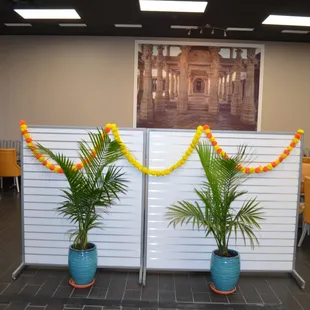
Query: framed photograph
[(186, 84)]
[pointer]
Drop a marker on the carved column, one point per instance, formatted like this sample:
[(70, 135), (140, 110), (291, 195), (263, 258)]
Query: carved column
[(140, 84), (248, 113), (225, 86), (206, 80), (173, 81), (167, 88), (190, 85), (214, 80), (236, 99), (146, 109), (177, 84), (229, 86), (183, 80), (159, 98)]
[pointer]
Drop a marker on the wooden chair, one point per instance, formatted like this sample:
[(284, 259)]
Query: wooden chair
[(8, 165), (305, 171), (306, 212)]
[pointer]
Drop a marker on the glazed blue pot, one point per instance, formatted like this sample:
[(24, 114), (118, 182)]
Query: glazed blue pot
[(83, 264), (225, 271)]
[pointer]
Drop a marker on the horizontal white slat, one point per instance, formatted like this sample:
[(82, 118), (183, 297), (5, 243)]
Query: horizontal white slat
[(103, 262), (203, 265)]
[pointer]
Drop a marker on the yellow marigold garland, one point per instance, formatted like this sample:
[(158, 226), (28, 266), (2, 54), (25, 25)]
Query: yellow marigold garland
[(200, 129)]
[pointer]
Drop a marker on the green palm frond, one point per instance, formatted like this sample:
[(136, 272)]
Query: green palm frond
[(94, 189), (221, 189)]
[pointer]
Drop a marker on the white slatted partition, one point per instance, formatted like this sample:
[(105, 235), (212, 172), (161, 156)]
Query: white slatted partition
[(45, 232), (186, 249)]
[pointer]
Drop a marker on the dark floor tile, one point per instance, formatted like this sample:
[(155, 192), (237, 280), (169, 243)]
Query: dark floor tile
[(4, 306), (270, 298), (133, 281), (49, 287), (17, 306), (69, 307), (93, 308), (166, 282), (167, 296), (303, 300), (198, 283), (80, 293), (132, 294), (35, 308), (3, 286), (201, 297), (250, 294), (63, 292), (117, 286), (98, 292), (183, 288), (54, 307), (262, 286), (218, 298), (14, 287), (29, 290), (103, 279), (150, 293), (152, 279), (28, 271), (236, 299)]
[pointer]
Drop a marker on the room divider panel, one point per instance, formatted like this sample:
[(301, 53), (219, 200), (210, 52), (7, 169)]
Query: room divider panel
[(277, 191), (45, 239)]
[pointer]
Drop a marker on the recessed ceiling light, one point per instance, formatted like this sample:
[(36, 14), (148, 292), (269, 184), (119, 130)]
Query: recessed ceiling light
[(128, 26), (239, 29), (295, 31), (173, 6), (17, 25), (72, 25), (287, 20), (183, 27), (48, 13)]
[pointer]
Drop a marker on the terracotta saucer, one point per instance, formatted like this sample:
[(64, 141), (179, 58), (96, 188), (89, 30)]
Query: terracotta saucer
[(72, 283), (221, 292)]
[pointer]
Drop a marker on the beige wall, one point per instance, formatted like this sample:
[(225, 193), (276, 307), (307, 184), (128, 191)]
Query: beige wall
[(88, 81)]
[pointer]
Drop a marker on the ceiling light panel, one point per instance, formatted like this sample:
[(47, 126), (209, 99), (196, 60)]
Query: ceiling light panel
[(287, 20), (183, 27), (48, 14), (173, 6), (17, 25), (239, 29), (72, 25), (128, 26), (295, 31)]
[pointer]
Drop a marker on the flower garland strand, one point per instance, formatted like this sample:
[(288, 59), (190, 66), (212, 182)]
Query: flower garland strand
[(200, 129)]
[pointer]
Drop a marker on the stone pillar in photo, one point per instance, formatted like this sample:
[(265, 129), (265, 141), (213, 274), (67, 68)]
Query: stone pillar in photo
[(173, 82), (167, 86), (177, 84), (248, 112), (229, 87), (159, 97), (206, 80), (183, 80), (146, 108), (225, 86), (190, 85), (214, 80), (236, 98), (140, 84)]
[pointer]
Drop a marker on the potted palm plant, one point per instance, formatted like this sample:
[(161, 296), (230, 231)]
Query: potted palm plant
[(91, 191), (216, 215)]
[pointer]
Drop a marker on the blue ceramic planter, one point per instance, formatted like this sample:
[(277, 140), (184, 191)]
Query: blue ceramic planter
[(225, 271), (83, 265)]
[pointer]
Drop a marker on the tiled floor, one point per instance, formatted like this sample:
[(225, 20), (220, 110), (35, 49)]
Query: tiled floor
[(38, 289)]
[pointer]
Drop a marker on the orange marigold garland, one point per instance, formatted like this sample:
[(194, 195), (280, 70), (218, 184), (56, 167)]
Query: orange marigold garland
[(206, 129)]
